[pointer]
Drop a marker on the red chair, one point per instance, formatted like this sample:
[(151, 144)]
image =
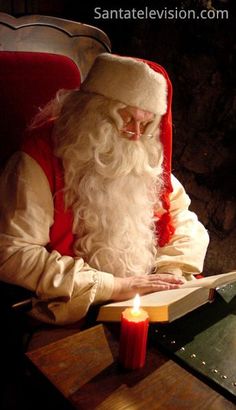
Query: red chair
[(28, 80), (39, 56)]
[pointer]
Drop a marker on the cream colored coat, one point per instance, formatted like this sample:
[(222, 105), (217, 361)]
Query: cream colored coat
[(67, 286)]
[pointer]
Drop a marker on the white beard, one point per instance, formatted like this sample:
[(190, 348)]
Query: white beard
[(113, 184)]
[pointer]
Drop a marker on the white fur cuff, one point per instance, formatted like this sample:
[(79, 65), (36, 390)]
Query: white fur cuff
[(129, 81)]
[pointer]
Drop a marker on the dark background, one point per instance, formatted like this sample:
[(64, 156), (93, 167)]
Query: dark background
[(199, 57)]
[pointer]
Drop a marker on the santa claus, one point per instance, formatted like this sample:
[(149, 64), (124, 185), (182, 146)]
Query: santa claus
[(93, 212)]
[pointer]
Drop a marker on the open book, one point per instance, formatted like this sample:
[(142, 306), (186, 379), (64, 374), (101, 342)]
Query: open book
[(168, 305)]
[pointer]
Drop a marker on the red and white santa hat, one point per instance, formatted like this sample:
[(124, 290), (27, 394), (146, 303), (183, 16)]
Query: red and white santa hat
[(128, 80), (146, 85)]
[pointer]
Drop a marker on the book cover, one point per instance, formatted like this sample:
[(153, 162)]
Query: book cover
[(204, 341)]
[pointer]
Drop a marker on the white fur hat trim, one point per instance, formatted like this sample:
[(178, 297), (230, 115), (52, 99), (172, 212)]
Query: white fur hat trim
[(129, 81)]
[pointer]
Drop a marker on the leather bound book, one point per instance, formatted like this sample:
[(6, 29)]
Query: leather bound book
[(169, 305), (204, 341)]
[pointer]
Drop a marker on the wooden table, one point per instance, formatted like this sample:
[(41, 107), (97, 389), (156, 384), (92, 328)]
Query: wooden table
[(84, 369)]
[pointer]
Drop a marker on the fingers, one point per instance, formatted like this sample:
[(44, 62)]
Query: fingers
[(156, 288), (126, 288), (156, 283), (152, 286), (150, 282), (164, 286), (166, 277)]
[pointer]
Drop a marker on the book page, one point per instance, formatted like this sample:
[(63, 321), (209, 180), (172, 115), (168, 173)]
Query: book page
[(212, 281), (162, 298)]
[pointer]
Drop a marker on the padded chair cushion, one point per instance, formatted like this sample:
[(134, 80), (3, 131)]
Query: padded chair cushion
[(28, 80)]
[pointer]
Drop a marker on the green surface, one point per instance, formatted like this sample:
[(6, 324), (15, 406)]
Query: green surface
[(205, 340)]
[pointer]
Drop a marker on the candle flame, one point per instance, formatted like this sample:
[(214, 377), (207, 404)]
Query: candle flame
[(136, 305)]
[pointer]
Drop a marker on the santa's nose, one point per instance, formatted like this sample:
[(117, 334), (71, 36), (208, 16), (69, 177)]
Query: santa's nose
[(135, 129)]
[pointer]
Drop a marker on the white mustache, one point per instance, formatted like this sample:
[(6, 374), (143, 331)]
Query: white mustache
[(131, 133)]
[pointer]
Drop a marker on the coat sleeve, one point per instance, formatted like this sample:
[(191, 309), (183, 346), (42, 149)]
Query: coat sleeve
[(65, 287), (185, 253)]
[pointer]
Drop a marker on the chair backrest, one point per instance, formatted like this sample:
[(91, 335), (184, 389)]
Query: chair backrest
[(81, 42), (39, 55), (27, 82)]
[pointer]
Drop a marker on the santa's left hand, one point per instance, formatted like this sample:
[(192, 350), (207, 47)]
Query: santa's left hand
[(176, 272)]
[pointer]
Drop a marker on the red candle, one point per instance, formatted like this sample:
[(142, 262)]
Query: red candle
[(133, 338)]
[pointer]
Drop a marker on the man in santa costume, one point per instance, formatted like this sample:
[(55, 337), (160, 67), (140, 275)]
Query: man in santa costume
[(89, 209)]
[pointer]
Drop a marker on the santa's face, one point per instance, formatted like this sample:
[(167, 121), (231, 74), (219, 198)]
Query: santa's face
[(135, 122), (113, 184)]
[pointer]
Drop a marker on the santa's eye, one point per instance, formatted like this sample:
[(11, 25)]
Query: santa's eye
[(146, 123)]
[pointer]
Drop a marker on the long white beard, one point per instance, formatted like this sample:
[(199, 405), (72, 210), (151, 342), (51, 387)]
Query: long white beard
[(113, 184)]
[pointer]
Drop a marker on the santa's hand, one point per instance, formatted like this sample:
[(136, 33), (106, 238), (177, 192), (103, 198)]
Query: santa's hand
[(126, 288)]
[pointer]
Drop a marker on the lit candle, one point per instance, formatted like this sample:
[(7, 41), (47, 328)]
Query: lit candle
[(133, 338)]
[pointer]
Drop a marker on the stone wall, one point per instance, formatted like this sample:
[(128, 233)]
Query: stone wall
[(204, 139)]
